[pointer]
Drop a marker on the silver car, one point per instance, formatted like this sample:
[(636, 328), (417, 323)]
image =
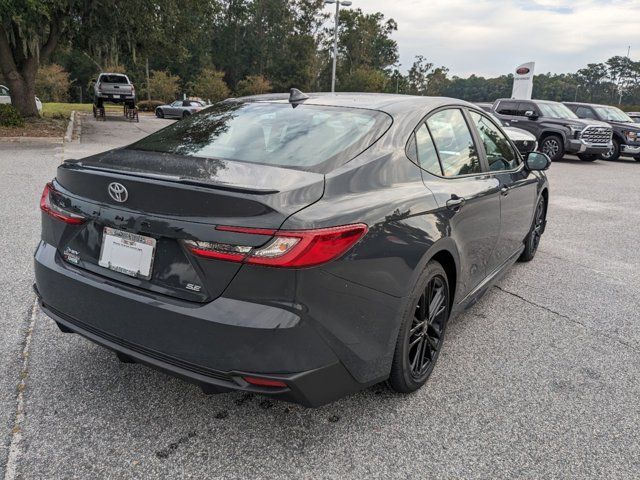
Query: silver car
[(179, 109)]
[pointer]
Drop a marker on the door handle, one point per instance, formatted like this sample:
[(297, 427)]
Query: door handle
[(504, 191), (455, 203)]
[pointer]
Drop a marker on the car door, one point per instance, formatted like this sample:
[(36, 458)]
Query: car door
[(518, 188), (469, 198), (174, 108)]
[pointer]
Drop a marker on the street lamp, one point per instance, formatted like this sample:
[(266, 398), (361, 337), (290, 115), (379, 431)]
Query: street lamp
[(344, 3)]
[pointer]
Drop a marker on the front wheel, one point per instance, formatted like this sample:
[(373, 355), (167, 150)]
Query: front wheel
[(532, 240), (614, 152), (588, 157), (553, 146), (421, 332), (159, 113)]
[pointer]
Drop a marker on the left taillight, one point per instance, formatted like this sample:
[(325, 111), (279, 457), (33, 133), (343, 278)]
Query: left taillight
[(287, 248), (51, 208)]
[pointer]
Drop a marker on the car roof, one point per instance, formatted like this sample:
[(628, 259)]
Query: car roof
[(393, 104), (589, 104), (110, 73)]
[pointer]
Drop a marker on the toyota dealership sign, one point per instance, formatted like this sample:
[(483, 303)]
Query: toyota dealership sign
[(523, 81)]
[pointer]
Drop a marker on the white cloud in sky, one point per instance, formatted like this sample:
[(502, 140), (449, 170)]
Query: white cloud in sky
[(490, 38)]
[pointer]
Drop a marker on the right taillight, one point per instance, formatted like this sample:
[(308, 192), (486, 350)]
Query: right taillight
[(287, 248), (51, 208)]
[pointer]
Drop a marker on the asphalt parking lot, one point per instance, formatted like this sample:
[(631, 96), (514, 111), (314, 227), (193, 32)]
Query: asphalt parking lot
[(540, 379)]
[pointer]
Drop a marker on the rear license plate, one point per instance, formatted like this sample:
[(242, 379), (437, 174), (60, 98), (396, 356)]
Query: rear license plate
[(127, 253), (116, 96)]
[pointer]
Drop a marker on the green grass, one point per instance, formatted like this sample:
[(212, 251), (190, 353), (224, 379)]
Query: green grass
[(57, 110), (63, 110)]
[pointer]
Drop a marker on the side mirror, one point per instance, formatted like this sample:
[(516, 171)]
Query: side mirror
[(531, 114), (537, 161)]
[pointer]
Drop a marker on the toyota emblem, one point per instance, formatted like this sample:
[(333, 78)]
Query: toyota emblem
[(118, 192)]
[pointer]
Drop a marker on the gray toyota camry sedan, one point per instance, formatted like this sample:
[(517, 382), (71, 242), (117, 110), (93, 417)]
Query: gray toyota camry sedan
[(301, 246)]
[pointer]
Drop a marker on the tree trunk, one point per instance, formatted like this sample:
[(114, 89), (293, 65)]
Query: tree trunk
[(23, 91)]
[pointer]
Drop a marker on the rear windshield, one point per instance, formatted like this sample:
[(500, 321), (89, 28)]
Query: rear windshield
[(113, 79), (307, 137)]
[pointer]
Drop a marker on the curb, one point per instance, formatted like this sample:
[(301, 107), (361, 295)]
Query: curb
[(31, 140), (68, 137)]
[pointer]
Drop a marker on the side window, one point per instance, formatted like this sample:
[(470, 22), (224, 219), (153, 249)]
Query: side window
[(500, 155), (427, 156), (524, 107), (508, 108), (454, 143), (584, 112), (4, 91)]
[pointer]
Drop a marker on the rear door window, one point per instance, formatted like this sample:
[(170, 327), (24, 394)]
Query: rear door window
[(506, 107), (452, 138), (427, 155)]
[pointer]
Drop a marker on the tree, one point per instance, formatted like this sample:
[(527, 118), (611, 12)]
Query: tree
[(52, 83), (419, 76), (365, 79), (209, 85), (29, 33), (253, 85), (164, 86)]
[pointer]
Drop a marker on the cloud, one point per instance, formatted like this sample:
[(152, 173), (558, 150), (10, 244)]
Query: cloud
[(491, 37)]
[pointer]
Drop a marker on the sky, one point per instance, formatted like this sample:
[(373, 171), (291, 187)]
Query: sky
[(492, 37)]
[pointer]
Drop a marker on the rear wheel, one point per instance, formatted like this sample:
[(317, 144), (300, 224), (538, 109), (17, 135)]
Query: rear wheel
[(532, 240), (186, 114), (614, 151), (553, 146), (588, 157), (422, 331)]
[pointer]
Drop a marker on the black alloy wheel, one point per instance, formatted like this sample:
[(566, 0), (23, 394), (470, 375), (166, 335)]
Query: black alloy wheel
[(422, 332), (159, 113), (186, 114), (532, 240), (553, 147)]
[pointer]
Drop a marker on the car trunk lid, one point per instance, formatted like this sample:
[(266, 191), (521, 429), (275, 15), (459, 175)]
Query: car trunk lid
[(171, 200)]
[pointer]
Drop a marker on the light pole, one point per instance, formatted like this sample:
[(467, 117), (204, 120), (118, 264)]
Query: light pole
[(345, 3), (397, 67)]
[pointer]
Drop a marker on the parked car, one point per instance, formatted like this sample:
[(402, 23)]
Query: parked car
[(179, 108), (557, 129), (302, 253), (115, 88), (524, 141), (635, 116), (5, 97), (626, 135)]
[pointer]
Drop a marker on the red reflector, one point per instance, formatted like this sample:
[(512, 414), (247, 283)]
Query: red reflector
[(264, 382), (55, 211)]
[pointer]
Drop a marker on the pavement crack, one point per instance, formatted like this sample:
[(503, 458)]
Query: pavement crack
[(15, 438), (629, 345), (539, 306)]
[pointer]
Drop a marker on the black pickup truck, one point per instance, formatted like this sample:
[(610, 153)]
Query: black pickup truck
[(557, 129), (626, 133)]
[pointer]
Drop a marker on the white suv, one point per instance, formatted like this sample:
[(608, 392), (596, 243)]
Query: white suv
[(5, 97)]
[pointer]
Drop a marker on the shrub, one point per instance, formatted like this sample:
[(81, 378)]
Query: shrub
[(253, 85), (149, 105), (365, 79), (164, 86), (10, 117), (209, 85), (52, 83)]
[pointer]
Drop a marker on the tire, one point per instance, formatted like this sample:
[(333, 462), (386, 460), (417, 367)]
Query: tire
[(637, 158), (553, 145), (588, 157), (614, 153), (421, 332), (159, 113), (532, 240), (186, 114)]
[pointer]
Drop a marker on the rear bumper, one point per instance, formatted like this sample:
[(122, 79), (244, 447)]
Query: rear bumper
[(212, 344)]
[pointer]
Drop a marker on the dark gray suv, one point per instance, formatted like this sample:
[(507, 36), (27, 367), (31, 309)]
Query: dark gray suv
[(557, 129)]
